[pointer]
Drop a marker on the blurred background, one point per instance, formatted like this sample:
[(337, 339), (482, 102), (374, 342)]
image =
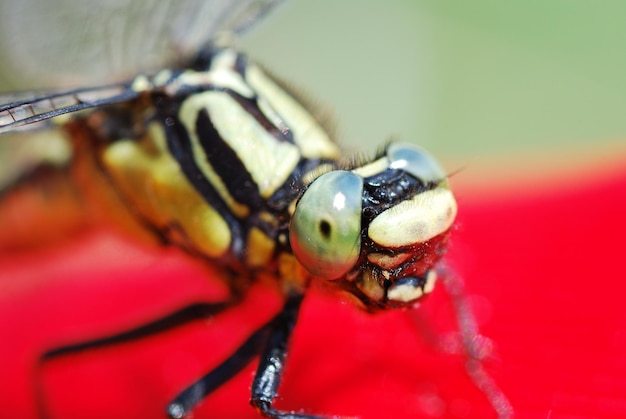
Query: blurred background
[(528, 90), (507, 91)]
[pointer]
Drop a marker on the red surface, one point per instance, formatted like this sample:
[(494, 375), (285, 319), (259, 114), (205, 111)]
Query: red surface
[(544, 272)]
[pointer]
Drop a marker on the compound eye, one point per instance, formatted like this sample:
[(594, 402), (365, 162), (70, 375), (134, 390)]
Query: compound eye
[(415, 161), (325, 230)]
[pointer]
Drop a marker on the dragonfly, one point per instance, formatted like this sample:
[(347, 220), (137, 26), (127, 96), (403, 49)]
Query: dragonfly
[(207, 151)]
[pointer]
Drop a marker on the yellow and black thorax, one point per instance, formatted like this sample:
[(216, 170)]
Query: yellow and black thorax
[(225, 153)]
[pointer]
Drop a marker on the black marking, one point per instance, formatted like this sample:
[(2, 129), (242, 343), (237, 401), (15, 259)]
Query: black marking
[(293, 186), (179, 145), (386, 189), (325, 229), (281, 133), (204, 58), (226, 162), (241, 64)]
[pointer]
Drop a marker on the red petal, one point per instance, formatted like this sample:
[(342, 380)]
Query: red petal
[(542, 270)]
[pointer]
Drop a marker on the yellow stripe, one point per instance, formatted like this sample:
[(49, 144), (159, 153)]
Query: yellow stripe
[(188, 114), (151, 179), (268, 161), (312, 140)]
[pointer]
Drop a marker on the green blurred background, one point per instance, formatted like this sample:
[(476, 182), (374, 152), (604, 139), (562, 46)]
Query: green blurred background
[(472, 81), (526, 86)]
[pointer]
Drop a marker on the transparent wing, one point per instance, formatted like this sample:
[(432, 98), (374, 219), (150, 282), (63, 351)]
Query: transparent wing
[(92, 42), (86, 42), (21, 109)]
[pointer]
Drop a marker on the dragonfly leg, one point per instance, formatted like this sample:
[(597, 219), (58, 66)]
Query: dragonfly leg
[(272, 363), (176, 319), (271, 341), (192, 395), (474, 345), (185, 314)]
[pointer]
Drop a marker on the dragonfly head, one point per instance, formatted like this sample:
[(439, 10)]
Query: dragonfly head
[(378, 230)]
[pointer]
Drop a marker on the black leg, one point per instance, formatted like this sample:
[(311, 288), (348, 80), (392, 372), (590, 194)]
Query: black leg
[(272, 339), (197, 391), (272, 363), (184, 315), (173, 320)]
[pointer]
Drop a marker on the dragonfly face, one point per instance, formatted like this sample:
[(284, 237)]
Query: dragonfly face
[(377, 230)]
